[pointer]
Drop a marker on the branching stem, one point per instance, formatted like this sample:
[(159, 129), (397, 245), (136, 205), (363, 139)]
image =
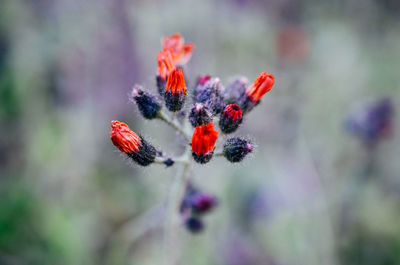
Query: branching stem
[(174, 124)]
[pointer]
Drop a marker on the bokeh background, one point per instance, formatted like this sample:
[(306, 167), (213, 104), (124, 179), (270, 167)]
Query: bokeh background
[(314, 192)]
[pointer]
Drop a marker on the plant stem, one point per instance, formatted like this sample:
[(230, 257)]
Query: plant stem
[(174, 124), (176, 193)]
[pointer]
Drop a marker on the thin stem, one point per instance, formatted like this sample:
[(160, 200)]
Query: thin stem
[(174, 124), (219, 153), (176, 193)]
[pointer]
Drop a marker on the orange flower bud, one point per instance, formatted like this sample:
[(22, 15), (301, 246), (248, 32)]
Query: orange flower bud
[(176, 44), (128, 142), (175, 91), (165, 63), (176, 82), (124, 138), (261, 85)]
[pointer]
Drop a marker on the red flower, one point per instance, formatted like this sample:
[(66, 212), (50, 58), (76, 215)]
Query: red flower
[(176, 82), (231, 118), (176, 44), (165, 63), (203, 139), (233, 112), (124, 138), (261, 85)]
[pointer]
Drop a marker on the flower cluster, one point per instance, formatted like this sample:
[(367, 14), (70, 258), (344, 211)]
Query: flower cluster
[(194, 206), (206, 101)]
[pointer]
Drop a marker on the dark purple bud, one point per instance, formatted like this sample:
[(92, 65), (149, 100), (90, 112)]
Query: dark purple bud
[(373, 123), (211, 95), (235, 149), (145, 155), (194, 225), (202, 203), (200, 84), (230, 119), (235, 92), (200, 115), (147, 103)]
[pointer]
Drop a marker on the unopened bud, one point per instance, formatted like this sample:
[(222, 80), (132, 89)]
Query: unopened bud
[(147, 103), (235, 149), (199, 115), (231, 118)]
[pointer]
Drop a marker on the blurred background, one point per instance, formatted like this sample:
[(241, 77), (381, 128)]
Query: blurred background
[(323, 186)]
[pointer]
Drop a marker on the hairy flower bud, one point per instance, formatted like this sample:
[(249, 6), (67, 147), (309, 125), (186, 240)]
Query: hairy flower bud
[(199, 115), (230, 119), (175, 91), (147, 103), (235, 149), (203, 143), (132, 144), (200, 85), (194, 224), (256, 91), (235, 91), (211, 95)]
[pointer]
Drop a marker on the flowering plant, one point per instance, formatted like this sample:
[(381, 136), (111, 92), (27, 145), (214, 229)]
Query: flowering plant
[(209, 101)]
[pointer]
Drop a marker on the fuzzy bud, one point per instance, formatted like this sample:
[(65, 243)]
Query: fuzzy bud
[(235, 91), (231, 118), (175, 91), (132, 144), (211, 95), (235, 149), (203, 143), (199, 115), (147, 103)]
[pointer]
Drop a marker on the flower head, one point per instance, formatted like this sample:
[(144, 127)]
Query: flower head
[(261, 85), (235, 149), (197, 202), (176, 82), (132, 144), (202, 202), (124, 138), (203, 142), (147, 103), (231, 118), (165, 63), (176, 44), (199, 115), (175, 91), (210, 94), (235, 91)]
